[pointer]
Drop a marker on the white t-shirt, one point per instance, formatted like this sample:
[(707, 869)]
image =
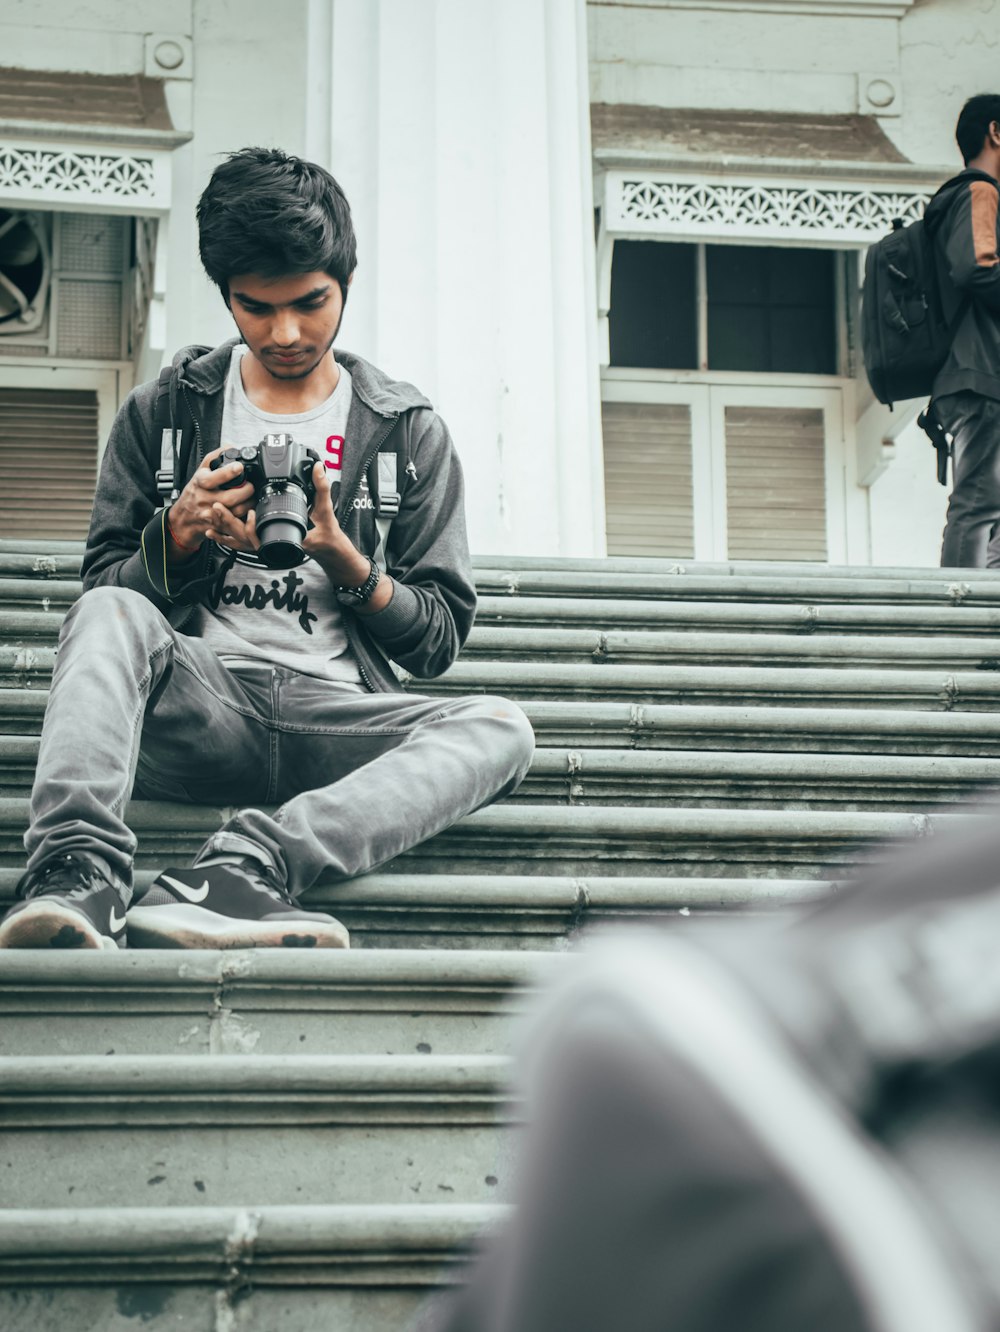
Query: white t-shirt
[(285, 617)]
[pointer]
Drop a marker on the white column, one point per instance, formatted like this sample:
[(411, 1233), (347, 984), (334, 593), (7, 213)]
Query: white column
[(460, 132)]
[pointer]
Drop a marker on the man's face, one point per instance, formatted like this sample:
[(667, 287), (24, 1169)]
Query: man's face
[(289, 323)]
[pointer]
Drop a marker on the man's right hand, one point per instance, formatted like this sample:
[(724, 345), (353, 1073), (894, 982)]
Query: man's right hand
[(193, 514)]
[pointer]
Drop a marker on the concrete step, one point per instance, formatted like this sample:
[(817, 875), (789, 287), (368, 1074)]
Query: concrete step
[(600, 725), (518, 912), (38, 594), (762, 728), (569, 839), (206, 1269), (26, 671), (631, 576), (513, 575), (742, 614), (34, 629), (696, 778), (268, 1130), (264, 1002), (722, 686), (25, 600), (27, 648), (734, 686), (692, 646)]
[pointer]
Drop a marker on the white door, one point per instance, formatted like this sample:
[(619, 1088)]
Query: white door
[(780, 453), (726, 471)]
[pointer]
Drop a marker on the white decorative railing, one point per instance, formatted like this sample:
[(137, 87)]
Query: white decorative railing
[(843, 214), (110, 179)]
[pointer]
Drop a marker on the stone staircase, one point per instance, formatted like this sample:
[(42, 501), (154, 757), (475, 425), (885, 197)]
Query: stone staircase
[(261, 1140)]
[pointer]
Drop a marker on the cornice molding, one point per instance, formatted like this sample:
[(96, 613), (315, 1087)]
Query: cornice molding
[(757, 209), (84, 177)]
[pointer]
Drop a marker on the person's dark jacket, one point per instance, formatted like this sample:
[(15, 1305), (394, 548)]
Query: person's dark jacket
[(965, 222), (434, 599)]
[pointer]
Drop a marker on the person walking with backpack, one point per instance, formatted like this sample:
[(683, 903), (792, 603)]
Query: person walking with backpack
[(964, 220)]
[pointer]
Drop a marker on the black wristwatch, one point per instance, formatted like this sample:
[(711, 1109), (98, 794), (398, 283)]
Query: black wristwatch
[(357, 596)]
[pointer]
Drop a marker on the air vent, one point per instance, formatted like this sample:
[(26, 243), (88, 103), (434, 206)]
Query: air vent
[(25, 272)]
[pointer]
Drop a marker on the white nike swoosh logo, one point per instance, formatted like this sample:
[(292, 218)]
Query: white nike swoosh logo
[(117, 922), (189, 894)]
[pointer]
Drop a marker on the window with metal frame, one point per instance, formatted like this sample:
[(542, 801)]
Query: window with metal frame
[(763, 309)]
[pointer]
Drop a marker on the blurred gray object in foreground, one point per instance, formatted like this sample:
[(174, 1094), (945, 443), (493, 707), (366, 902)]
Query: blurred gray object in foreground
[(793, 1131)]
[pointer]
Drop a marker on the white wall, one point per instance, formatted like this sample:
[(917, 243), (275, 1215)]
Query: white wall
[(907, 506), (461, 136), (734, 56), (86, 36), (249, 88)]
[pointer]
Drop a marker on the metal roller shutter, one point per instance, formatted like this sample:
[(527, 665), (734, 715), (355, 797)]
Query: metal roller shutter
[(647, 479), (48, 462), (775, 483)]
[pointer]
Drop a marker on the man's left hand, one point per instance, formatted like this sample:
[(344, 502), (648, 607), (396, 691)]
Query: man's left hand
[(335, 553)]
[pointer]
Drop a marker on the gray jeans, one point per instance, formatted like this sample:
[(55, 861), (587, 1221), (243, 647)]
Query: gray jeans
[(359, 778), (972, 531)]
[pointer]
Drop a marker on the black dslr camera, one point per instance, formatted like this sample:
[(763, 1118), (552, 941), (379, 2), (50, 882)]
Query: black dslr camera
[(281, 473)]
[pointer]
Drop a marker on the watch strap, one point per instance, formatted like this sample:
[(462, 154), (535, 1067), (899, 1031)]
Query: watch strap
[(357, 596)]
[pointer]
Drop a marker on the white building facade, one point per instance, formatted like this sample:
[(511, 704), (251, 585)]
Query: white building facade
[(619, 244)]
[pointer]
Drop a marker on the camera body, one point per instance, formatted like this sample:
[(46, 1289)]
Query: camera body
[(281, 473)]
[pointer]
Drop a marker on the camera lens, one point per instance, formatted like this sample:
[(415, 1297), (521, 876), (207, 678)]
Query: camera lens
[(282, 522)]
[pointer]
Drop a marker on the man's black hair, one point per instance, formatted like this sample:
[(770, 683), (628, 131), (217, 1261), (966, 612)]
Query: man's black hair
[(274, 215), (974, 122)]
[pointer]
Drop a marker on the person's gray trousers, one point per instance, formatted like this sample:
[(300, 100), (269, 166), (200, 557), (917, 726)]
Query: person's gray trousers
[(972, 531), (359, 777)]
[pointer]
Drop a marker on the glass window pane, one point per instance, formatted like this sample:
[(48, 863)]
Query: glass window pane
[(738, 338), (771, 309), (653, 319)]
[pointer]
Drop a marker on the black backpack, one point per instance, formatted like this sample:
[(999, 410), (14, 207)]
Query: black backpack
[(909, 312), (905, 335)]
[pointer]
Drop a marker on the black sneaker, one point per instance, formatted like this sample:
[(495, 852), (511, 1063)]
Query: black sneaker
[(232, 904), (68, 903)]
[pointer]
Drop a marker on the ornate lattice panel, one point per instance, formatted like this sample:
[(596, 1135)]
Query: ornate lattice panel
[(111, 179), (792, 212)]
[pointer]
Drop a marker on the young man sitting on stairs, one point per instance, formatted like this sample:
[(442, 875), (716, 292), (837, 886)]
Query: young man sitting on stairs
[(192, 670)]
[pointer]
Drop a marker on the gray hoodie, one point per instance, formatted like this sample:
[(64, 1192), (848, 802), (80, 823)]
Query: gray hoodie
[(434, 600)]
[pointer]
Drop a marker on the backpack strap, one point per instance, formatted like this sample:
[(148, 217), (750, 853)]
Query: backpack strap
[(171, 436), (386, 479)]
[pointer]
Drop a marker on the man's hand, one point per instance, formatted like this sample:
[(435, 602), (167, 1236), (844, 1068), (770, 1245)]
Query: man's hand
[(335, 553), (204, 509)]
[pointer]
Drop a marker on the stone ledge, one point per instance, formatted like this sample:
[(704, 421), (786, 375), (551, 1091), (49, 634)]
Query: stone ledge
[(799, 614), (937, 690), (709, 778), (183, 1091), (29, 639), (561, 839), (670, 726), (265, 1002), (457, 900), (363, 1244)]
